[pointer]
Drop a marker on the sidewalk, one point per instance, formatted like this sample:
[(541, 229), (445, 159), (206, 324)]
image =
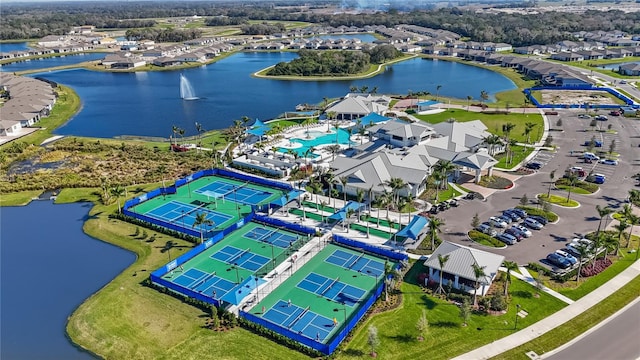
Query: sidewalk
[(580, 306)]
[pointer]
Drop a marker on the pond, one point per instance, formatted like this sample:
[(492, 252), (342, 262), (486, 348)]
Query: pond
[(617, 65), (6, 47), (48, 267), (62, 60), (149, 103)]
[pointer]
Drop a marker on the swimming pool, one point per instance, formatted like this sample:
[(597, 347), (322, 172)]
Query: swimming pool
[(319, 138)]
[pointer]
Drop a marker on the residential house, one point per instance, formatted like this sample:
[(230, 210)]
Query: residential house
[(458, 271), (631, 69), (591, 54), (567, 56), (356, 106)]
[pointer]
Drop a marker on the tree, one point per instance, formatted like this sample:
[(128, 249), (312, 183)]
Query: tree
[(201, 221), (422, 325), (117, 191), (360, 199), (552, 176), (442, 260), (620, 228), (528, 127), (583, 252), (469, 98), (174, 130), (343, 181), (602, 212), (478, 273), (475, 221), (509, 266), (438, 178), (372, 339), (434, 227), (491, 141), (465, 311), (348, 216), (612, 146), (524, 200), (484, 96), (572, 179), (444, 167), (506, 129), (438, 87)]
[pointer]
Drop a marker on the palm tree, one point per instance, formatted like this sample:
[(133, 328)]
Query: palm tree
[(360, 199), (343, 181), (571, 182), (506, 129), (174, 129), (434, 227), (602, 212), (323, 204), (330, 115), (387, 197), (438, 178), (583, 252), (484, 96), (620, 228), (410, 199), (491, 141), (478, 273), (117, 191), (444, 167), (633, 220), (349, 215), (527, 130), (181, 133), (610, 244), (200, 221), (438, 87), (334, 195), (442, 260), (510, 144), (469, 98), (199, 130), (552, 176), (334, 150), (509, 266)]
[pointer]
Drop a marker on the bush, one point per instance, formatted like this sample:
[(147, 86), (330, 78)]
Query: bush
[(549, 215), (498, 302), (280, 339), (156, 228), (484, 239), (599, 266), (580, 184), (540, 269), (459, 298)]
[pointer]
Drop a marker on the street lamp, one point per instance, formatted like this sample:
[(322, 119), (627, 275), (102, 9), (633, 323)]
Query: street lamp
[(235, 267), (517, 311)]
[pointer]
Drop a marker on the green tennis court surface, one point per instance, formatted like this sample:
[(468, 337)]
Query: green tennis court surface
[(234, 263), (223, 200), (321, 296)]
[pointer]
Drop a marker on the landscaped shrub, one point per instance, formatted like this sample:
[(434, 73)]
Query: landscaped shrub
[(540, 269), (484, 239), (459, 297), (549, 215), (580, 184), (155, 227), (594, 269), (498, 302)]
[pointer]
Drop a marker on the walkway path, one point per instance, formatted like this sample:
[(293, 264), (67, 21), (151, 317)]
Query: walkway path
[(561, 317)]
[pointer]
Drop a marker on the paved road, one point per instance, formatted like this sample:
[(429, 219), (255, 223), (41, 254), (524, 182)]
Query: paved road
[(573, 222), (616, 340)]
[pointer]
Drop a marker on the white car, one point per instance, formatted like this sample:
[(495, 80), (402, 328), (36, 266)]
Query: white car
[(532, 223), (524, 230), (497, 222)]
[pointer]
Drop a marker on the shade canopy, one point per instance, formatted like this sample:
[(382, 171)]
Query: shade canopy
[(413, 229)]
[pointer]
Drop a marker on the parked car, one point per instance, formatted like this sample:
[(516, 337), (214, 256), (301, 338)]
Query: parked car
[(541, 219), (558, 261), (609, 161), (523, 229), (520, 212), (567, 256), (533, 165), (512, 215), (515, 233), (590, 156), (453, 202), (497, 222), (470, 196), (532, 223), (584, 116), (597, 178), (505, 218), (602, 118), (487, 229), (595, 143), (434, 210), (614, 113), (577, 170), (507, 239)]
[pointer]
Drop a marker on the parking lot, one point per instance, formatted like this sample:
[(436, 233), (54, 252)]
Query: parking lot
[(572, 223)]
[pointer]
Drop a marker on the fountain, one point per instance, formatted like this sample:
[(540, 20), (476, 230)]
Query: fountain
[(186, 90)]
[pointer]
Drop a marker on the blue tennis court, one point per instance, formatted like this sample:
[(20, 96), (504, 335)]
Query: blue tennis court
[(332, 289), (299, 320), (182, 213), (207, 284), (275, 237), (234, 192), (241, 258), (357, 263)]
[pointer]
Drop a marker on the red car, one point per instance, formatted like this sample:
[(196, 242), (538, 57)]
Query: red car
[(614, 113)]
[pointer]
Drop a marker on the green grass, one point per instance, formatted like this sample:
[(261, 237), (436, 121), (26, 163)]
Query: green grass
[(308, 214), (549, 215), (18, 198), (493, 122), (372, 231), (382, 222), (446, 337), (485, 239), (585, 65), (564, 333), (443, 195), (559, 200), (574, 189), (519, 154)]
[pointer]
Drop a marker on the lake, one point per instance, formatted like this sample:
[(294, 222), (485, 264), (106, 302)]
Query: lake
[(50, 62), (48, 267), (149, 103), (6, 47), (617, 65)]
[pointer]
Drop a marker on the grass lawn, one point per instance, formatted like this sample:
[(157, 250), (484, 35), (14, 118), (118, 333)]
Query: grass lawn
[(493, 122), (443, 195), (519, 154), (126, 320), (564, 333), (446, 337), (486, 240), (18, 198), (559, 200), (586, 65), (574, 189)]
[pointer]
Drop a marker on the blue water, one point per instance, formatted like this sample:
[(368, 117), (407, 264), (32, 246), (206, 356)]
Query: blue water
[(50, 62), (6, 47), (148, 103), (616, 65), (48, 267), (319, 138)]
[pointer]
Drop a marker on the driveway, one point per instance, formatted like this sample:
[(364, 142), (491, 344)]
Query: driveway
[(572, 222)]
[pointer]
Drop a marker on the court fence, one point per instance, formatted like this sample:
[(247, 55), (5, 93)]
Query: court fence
[(331, 346), (376, 250)]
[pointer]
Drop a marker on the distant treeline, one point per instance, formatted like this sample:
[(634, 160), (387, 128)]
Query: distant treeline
[(163, 35), (334, 63), (35, 20)]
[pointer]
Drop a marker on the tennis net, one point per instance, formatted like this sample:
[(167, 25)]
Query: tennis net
[(232, 259), (299, 316), (330, 286), (356, 261)]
